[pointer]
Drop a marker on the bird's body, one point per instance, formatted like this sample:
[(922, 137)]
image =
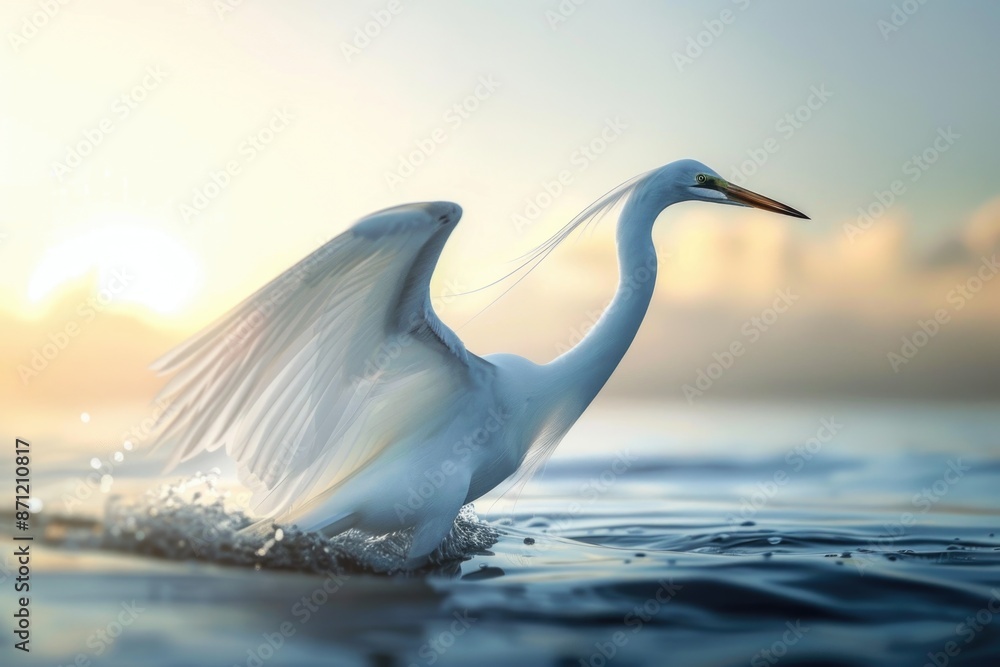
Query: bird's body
[(347, 403), (424, 480)]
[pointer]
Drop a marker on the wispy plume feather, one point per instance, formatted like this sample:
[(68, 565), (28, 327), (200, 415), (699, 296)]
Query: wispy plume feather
[(593, 214)]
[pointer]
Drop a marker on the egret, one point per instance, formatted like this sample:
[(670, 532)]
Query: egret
[(347, 403)]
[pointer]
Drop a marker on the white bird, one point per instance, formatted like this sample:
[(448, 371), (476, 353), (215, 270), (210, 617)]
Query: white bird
[(347, 403)]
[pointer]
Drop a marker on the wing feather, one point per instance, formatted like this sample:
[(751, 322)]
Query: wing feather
[(317, 373)]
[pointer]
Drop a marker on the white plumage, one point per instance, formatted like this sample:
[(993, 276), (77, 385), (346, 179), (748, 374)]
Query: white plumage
[(346, 402)]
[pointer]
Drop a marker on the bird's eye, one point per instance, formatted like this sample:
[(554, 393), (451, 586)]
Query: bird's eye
[(702, 178)]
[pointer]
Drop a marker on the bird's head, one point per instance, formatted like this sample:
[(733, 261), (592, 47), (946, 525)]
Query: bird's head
[(690, 180)]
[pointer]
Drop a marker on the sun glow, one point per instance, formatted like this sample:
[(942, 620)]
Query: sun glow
[(132, 263)]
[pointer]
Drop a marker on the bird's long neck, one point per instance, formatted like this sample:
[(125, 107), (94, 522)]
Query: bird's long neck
[(586, 368)]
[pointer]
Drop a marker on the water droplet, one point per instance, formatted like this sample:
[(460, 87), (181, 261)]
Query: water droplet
[(264, 549), (95, 463), (85, 417), (127, 445), (119, 457), (749, 523), (767, 554), (640, 555), (279, 535), (483, 566), (774, 540), (529, 540)]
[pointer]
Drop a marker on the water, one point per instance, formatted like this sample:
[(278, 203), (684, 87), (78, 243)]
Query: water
[(738, 535)]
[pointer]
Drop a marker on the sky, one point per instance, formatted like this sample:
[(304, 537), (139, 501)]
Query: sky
[(161, 160)]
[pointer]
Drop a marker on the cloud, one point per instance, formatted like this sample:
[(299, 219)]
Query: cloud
[(860, 300), (855, 304)]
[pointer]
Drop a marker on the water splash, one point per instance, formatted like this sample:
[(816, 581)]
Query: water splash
[(194, 520)]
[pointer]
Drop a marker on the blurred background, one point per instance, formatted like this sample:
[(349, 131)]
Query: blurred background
[(160, 161), (820, 391)]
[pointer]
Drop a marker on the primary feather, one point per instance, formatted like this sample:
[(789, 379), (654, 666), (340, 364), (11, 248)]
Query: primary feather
[(312, 377)]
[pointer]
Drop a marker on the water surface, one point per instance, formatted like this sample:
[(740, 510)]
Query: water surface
[(734, 535)]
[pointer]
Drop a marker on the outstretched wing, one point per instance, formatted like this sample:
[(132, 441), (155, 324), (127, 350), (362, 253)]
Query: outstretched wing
[(312, 377)]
